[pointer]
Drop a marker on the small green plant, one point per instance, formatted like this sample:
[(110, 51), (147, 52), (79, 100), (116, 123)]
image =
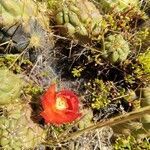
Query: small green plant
[(14, 62), (118, 5), (131, 143), (141, 69), (99, 93), (144, 60), (76, 72)]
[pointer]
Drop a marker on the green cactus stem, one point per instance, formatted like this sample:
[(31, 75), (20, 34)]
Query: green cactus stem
[(26, 25), (14, 11), (79, 18), (10, 88), (116, 49)]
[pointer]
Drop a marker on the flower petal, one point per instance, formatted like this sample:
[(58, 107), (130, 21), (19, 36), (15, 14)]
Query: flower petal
[(49, 97), (58, 117)]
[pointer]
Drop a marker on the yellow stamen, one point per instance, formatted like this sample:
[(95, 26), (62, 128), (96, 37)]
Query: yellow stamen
[(60, 104)]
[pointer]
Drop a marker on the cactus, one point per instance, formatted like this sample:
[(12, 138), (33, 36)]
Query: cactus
[(118, 5), (116, 49), (10, 88), (86, 120), (139, 129), (145, 101), (25, 24), (80, 18), (14, 11), (17, 130)]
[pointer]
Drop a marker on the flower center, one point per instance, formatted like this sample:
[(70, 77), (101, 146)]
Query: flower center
[(61, 103)]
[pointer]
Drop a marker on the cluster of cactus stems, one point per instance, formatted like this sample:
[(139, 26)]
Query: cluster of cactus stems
[(116, 49), (79, 18), (25, 24), (17, 130)]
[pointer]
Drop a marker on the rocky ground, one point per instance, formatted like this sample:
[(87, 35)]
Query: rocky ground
[(99, 50)]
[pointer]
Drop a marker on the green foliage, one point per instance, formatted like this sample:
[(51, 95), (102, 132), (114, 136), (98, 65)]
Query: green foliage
[(131, 143), (144, 60), (53, 4), (140, 69), (143, 37), (76, 72), (99, 93), (14, 62), (118, 5), (33, 90), (8, 60)]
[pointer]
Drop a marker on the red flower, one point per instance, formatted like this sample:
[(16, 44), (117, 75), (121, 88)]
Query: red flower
[(59, 107)]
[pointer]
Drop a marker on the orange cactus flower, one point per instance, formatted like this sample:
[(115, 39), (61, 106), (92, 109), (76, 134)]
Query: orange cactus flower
[(59, 107)]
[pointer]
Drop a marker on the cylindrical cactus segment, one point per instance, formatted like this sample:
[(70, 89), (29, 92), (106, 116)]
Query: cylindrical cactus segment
[(79, 17), (10, 87), (116, 49)]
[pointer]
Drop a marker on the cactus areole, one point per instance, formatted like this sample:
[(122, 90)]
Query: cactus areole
[(59, 107)]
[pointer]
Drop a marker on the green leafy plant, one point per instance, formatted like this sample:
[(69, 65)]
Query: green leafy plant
[(130, 143), (118, 5), (99, 93)]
